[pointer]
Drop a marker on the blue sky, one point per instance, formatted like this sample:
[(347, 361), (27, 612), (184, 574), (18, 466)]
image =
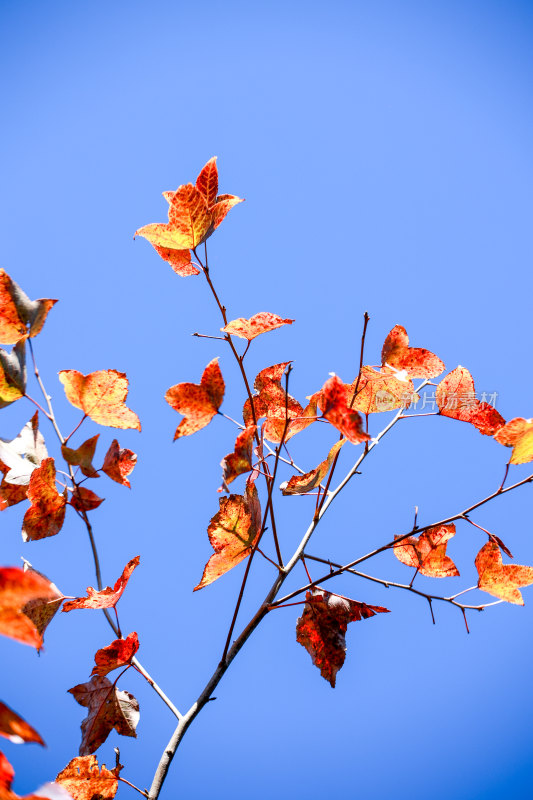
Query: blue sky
[(384, 151)]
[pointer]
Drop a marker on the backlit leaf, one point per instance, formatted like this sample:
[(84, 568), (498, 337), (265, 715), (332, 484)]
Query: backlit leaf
[(518, 434), (107, 597), (85, 780), (46, 514), (427, 552), (84, 499), (271, 401), (82, 457), (259, 323), (13, 373), (197, 402), (456, 398), (240, 461), (117, 654), (501, 580), (41, 610), (380, 390), (101, 396), (207, 181), (17, 589), (15, 728), (300, 484), (337, 411), (417, 362), (119, 463), (108, 708), (18, 314)]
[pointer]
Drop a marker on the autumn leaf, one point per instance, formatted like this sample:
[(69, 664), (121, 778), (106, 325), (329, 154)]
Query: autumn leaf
[(207, 182), (498, 579), (197, 402), (46, 514), (233, 532), (321, 628), (108, 708), (380, 390), (15, 728), (179, 260), (82, 457), (417, 362), (13, 373), (84, 499), (427, 552), (337, 411), (119, 463), (105, 598), (23, 454), (7, 773), (18, 314), (518, 434), (41, 610), (10, 494), (101, 396), (117, 654), (17, 590), (240, 461), (256, 325), (85, 780), (456, 398), (300, 484)]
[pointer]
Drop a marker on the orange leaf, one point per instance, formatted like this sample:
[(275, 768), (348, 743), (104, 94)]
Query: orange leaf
[(85, 780), (223, 205), (119, 463), (207, 181), (417, 362), (101, 396), (233, 532), (427, 552), (84, 500), (15, 728), (518, 434), (7, 773), (197, 402), (117, 654), (179, 260), (380, 390), (456, 398), (82, 457), (17, 589), (271, 401), (322, 626), (240, 461), (498, 579), (42, 610), (105, 598), (10, 493), (337, 411), (259, 323), (18, 314), (13, 373), (108, 708), (300, 484), (46, 514)]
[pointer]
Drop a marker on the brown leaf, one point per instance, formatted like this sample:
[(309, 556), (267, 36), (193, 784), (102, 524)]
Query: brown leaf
[(321, 628), (255, 326), (107, 597), (85, 780), (417, 362), (233, 532), (501, 580), (518, 434), (84, 499), (240, 461), (197, 402), (15, 728), (300, 484), (456, 398), (101, 396), (119, 463), (17, 589), (18, 314), (427, 552), (108, 708), (117, 654), (82, 457), (46, 514), (337, 411)]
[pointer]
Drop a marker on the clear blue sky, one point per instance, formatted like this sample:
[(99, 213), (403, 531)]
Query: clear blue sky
[(384, 151)]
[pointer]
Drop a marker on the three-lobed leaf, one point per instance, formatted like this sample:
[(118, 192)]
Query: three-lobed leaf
[(499, 579), (427, 552), (101, 396), (108, 708), (198, 402)]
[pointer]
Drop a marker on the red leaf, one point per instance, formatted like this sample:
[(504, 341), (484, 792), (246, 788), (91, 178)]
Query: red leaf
[(46, 514), (380, 390), (15, 728), (7, 773), (17, 589), (82, 457), (18, 314), (179, 260), (518, 434), (197, 402), (240, 461), (501, 580), (84, 500), (427, 552), (42, 610), (106, 598), (101, 396), (85, 780), (207, 181), (119, 463), (322, 626), (417, 362), (456, 398), (117, 654), (337, 411), (271, 401), (255, 326), (108, 708), (300, 484)]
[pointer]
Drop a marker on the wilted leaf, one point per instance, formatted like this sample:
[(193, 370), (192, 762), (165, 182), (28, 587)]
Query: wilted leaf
[(18, 314), (117, 654), (518, 434), (456, 398), (13, 373), (101, 396), (259, 323), (427, 552), (233, 531), (84, 499), (41, 610), (15, 728), (17, 589), (85, 780), (417, 362), (108, 708), (23, 453), (380, 390), (119, 463), (337, 411), (321, 628), (46, 514), (300, 484), (240, 461), (106, 598), (197, 402), (501, 580), (82, 457)]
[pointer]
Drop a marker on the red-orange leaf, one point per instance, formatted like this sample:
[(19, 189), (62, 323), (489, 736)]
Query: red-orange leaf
[(321, 628), (15, 728), (271, 401), (101, 396), (18, 314), (240, 461), (179, 260), (223, 205), (82, 457), (10, 493), (17, 589), (233, 531), (197, 402), (41, 610), (119, 463), (417, 362), (108, 708), (106, 598), (427, 552), (85, 780), (456, 398), (337, 411), (46, 514), (518, 434), (117, 654), (207, 181), (300, 484), (13, 373), (259, 323), (501, 580), (380, 390), (84, 499), (7, 773)]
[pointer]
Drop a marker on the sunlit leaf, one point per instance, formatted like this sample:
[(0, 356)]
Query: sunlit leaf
[(119, 463), (46, 514), (17, 589), (18, 314), (427, 552), (417, 362), (518, 434), (117, 654), (256, 325), (85, 780), (456, 398), (300, 484), (501, 580), (107, 597), (197, 402), (101, 396)]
